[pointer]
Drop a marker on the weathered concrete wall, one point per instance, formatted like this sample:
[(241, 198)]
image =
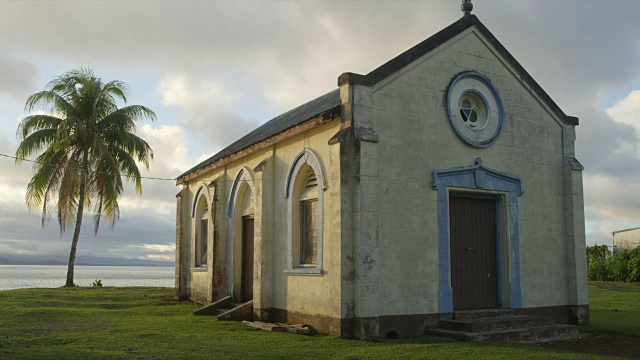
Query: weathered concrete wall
[(627, 239), (199, 286), (277, 293), (409, 115), (381, 264), (314, 295)]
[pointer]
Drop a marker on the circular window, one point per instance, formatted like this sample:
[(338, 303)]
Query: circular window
[(474, 109)]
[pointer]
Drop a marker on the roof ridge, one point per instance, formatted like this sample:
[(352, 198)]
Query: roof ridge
[(424, 47), (275, 126), (331, 99)]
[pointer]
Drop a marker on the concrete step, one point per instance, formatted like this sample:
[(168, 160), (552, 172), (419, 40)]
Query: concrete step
[(531, 334), (210, 309), (495, 323), (220, 311), (482, 313), (242, 311)]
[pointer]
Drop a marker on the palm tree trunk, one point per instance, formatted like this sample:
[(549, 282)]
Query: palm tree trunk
[(76, 232)]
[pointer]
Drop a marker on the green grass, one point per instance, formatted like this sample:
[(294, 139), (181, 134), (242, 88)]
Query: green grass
[(146, 323), (614, 308)]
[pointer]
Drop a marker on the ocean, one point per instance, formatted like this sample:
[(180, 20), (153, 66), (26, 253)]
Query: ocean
[(46, 276)]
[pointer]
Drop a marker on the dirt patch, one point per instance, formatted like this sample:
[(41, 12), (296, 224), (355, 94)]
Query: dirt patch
[(601, 344)]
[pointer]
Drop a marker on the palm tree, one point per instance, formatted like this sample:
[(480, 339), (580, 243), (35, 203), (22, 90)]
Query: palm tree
[(88, 145)]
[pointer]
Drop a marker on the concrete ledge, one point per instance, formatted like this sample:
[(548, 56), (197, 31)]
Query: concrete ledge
[(409, 324), (304, 272)]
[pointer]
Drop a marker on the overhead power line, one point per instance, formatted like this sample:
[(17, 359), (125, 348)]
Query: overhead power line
[(99, 172), (142, 177)]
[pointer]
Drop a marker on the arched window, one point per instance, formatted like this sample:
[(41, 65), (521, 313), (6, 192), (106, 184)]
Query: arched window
[(308, 218), (201, 250), (304, 190), (200, 215)]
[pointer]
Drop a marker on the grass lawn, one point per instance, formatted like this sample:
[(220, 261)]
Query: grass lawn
[(146, 323), (615, 308)]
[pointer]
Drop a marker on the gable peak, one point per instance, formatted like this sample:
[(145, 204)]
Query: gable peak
[(466, 7)]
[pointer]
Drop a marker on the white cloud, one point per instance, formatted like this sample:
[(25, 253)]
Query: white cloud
[(159, 247), (169, 145), (627, 111), (11, 194), (177, 90), (215, 85), (17, 78), (9, 250), (208, 107), (157, 257)]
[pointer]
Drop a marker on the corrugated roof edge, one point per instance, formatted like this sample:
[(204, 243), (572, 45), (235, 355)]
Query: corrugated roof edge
[(439, 38), (619, 231), (274, 126)]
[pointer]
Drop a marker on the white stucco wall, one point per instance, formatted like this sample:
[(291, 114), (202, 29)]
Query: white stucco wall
[(416, 138), (381, 235), (273, 287)]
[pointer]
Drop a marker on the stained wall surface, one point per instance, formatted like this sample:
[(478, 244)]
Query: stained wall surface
[(381, 254), (275, 288), (626, 239), (408, 113)]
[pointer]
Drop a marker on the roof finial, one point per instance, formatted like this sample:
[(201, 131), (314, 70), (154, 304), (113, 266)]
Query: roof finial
[(466, 7)]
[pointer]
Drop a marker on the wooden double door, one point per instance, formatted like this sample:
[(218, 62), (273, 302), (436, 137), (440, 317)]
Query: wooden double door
[(474, 252)]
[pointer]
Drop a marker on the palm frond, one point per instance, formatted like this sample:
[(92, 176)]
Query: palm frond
[(87, 131), (134, 145), (50, 101), (36, 142), (116, 90), (125, 119), (36, 122), (68, 192)]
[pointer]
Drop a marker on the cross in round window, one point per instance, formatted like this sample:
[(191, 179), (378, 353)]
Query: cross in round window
[(473, 111)]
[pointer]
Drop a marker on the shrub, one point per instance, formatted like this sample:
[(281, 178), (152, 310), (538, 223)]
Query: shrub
[(622, 265), (97, 283)]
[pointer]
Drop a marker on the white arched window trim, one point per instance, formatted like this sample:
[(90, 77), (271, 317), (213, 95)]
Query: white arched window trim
[(200, 194), (243, 175), (202, 191), (310, 158)]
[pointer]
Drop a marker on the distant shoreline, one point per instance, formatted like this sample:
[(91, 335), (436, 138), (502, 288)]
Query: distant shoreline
[(46, 264), (53, 276), (82, 261)]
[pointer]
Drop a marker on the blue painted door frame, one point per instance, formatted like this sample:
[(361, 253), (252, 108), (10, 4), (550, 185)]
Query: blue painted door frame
[(477, 177)]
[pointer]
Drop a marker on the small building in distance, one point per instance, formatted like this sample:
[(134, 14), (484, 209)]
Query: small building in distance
[(626, 239), (445, 180)]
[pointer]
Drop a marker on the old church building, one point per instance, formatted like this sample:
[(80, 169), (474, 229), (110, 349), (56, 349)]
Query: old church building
[(443, 181)]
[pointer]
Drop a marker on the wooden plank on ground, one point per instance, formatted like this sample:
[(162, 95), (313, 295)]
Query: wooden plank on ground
[(298, 330), (265, 326)]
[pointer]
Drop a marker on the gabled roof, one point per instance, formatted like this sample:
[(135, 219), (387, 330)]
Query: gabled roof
[(275, 126), (440, 38), (331, 101)]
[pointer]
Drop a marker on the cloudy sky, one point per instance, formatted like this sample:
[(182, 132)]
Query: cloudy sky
[(214, 70)]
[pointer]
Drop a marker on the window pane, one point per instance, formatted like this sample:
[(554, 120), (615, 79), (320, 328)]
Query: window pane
[(308, 232), (203, 242)]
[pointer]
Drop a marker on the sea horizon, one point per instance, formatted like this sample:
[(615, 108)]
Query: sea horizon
[(54, 276)]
